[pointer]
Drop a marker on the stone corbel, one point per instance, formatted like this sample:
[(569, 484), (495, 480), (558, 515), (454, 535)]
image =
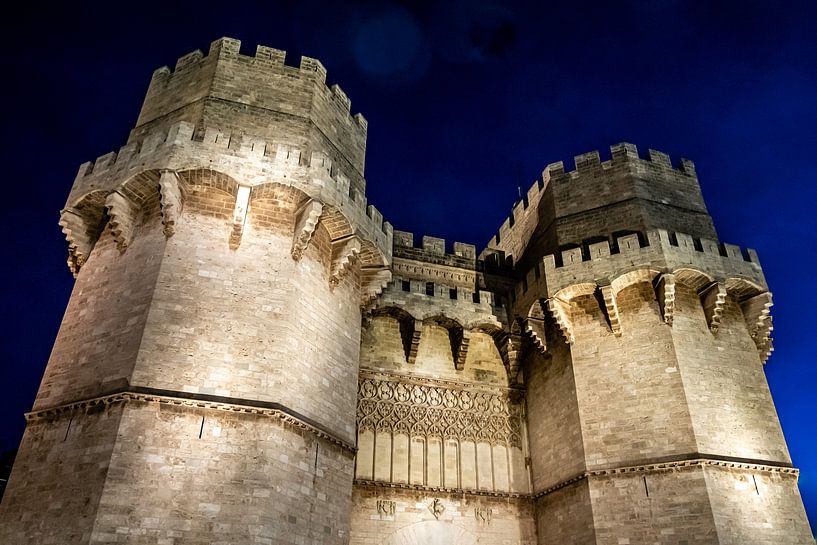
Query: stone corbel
[(171, 200), (535, 328), (242, 206), (344, 251), (665, 294), (765, 349), (459, 346), (374, 281), (307, 218), (122, 217), (510, 349), (561, 313), (757, 313), (611, 309), (410, 332), (713, 299), (77, 233)]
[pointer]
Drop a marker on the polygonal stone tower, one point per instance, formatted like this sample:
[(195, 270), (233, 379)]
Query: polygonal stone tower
[(649, 415), (203, 384)]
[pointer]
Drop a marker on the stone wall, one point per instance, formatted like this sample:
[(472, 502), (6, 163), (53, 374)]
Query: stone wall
[(729, 400), (206, 474), (565, 516), (756, 507), (555, 432), (95, 350), (669, 507), (59, 477), (407, 517), (250, 323)]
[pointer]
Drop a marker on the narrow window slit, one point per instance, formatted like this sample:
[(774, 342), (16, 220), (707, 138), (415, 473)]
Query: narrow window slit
[(201, 429), (756, 488), (646, 488)]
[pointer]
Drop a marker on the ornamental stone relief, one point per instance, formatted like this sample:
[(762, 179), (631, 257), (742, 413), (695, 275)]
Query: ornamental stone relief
[(436, 411)]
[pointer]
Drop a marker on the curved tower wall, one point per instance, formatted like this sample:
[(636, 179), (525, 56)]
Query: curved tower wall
[(650, 418), (204, 380)]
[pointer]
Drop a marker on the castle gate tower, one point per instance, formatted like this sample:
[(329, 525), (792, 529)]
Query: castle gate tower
[(649, 416), (203, 384)]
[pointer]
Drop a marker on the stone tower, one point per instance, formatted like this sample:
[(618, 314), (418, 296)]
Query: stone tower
[(649, 416), (203, 384), (251, 355)]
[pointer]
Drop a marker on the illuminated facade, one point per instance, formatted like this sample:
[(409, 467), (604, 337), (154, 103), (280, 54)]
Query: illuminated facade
[(252, 355)]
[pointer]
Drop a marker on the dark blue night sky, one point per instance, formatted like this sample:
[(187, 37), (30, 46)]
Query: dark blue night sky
[(466, 101)]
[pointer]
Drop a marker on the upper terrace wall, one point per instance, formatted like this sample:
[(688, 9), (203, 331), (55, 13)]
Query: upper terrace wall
[(260, 95), (250, 160), (625, 193)]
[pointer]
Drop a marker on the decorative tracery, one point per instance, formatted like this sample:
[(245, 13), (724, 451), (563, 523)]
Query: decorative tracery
[(436, 411)]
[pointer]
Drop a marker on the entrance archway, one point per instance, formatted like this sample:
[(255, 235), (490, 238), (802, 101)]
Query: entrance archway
[(432, 532)]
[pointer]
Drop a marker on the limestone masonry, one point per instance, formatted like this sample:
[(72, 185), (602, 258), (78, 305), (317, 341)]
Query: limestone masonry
[(252, 355)]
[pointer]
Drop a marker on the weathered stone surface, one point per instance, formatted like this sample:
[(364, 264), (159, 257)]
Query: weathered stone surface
[(252, 355)]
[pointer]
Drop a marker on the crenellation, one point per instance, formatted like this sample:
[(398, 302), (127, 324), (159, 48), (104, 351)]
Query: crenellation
[(189, 59), (433, 245), (274, 56), (340, 97), (225, 47), (313, 68), (468, 251), (660, 158), (587, 161)]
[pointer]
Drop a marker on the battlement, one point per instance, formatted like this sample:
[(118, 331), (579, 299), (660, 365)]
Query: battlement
[(433, 250), (266, 59), (469, 308), (259, 94), (622, 152), (658, 251), (248, 159), (626, 176)]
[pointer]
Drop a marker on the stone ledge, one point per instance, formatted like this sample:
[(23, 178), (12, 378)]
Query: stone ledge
[(440, 489), (699, 460), (137, 393)]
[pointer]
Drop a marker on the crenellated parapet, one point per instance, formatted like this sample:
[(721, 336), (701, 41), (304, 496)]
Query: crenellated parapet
[(161, 158), (259, 93), (459, 311), (637, 193), (433, 251), (715, 271)]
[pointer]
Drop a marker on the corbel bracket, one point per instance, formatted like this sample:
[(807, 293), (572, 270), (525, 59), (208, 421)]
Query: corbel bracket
[(242, 206), (307, 218), (713, 299), (561, 313), (665, 294), (77, 233), (344, 251), (611, 309), (122, 217), (171, 200)]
